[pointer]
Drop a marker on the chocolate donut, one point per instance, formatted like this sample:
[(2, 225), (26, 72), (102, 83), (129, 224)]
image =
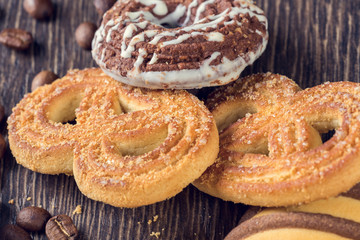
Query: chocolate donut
[(179, 43)]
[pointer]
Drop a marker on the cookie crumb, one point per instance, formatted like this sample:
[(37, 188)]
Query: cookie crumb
[(155, 234), (28, 199), (149, 222), (138, 223), (78, 210), (155, 218), (11, 201)]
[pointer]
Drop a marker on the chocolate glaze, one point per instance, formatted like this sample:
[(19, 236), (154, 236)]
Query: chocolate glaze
[(242, 34)]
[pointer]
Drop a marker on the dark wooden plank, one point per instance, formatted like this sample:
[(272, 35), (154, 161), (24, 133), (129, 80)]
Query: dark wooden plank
[(310, 41)]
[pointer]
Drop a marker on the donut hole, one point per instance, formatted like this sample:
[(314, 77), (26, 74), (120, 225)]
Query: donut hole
[(170, 25), (62, 109)]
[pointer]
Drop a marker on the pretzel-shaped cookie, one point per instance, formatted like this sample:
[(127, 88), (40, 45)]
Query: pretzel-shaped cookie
[(273, 155), (129, 146)]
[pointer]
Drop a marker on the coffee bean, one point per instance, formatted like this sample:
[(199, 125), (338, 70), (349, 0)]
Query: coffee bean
[(32, 218), (42, 78), (39, 9), (84, 34), (13, 232), (61, 227), (2, 146), (16, 38), (2, 112), (103, 5)]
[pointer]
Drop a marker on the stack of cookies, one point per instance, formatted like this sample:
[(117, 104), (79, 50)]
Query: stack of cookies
[(128, 142)]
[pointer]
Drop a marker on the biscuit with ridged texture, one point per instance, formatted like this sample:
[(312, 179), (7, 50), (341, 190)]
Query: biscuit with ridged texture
[(271, 151), (126, 146)]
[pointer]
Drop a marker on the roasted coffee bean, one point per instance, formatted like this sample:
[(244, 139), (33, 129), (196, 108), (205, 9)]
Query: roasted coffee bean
[(2, 146), (84, 34), (13, 232), (2, 112), (16, 38), (32, 218), (39, 9), (103, 5), (61, 227), (42, 78)]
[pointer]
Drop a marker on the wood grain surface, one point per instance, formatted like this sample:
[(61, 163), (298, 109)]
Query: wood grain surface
[(311, 41)]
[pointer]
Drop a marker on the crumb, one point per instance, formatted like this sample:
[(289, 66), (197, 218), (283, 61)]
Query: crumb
[(156, 234), (77, 210), (155, 218), (28, 198), (162, 229), (149, 222), (138, 223), (11, 201), (195, 234)]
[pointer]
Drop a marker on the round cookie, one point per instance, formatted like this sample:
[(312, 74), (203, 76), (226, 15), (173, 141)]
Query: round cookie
[(335, 218), (204, 42), (126, 146), (271, 151)]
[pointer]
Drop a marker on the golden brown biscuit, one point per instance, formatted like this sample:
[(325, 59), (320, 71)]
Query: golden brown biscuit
[(336, 218), (273, 155), (128, 147)]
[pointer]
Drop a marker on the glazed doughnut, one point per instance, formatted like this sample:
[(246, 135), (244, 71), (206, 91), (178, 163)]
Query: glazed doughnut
[(209, 43), (273, 154), (335, 218), (129, 146)]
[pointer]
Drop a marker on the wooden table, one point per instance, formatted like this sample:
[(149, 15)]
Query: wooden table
[(311, 41)]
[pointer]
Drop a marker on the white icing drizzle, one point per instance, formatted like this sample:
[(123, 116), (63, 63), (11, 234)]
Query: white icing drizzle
[(160, 7), (142, 25), (258, 32), (129, 30), (224, 72), (201, 9), (180, 39), (157, 38), (153, 59), (139, 60), (194, 3), (108, 37), (174, 17), (126, 53), (215, 37)]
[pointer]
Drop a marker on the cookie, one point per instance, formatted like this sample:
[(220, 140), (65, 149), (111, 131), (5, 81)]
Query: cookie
[(333, 218), (271, 150), (126, 146), (179, 44)]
